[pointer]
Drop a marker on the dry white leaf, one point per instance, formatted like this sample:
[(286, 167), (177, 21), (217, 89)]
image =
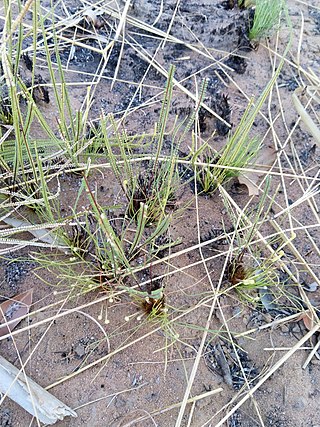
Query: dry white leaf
[(91, 15), (305, 117), (32, 397), (37, 231)]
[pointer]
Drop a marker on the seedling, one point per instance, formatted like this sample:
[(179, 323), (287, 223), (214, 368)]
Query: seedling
[(250, 281), (80, 239), (237, 272), (266, 18), (153, 307)]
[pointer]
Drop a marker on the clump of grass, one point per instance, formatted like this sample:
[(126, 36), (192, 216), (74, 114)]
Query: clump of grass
[(150, 182), (154, 186), (219, 167), (103, 249), (254, 277), (155, 181), (106, 250), (238, 152), (266, 18), (248, 280), (106, 246), (117, 247)]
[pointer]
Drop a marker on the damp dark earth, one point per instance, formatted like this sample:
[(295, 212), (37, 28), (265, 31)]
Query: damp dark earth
[(159, 213)]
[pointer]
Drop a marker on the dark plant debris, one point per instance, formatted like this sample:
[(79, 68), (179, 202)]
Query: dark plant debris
[(28, 61), (38, 90), (223, 109), (223, 359), (237, 63)]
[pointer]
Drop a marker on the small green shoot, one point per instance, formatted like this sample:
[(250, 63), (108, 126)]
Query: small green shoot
[(266, 18)]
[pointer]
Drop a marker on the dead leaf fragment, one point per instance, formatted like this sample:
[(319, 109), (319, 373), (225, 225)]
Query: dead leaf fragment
[(267, 156), (13, 310), (312, 287), (308, 319), (37, 230), (310, 124), (31, 396)]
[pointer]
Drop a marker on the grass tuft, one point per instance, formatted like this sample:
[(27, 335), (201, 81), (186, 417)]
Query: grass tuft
[(238, 153), (221, 167), (266, 19)]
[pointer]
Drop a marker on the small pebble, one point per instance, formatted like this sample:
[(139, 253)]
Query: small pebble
[(119, 402), (237, 312), (284, 329), (300, 404), (296, 329), (80, 350), (312, 287)]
